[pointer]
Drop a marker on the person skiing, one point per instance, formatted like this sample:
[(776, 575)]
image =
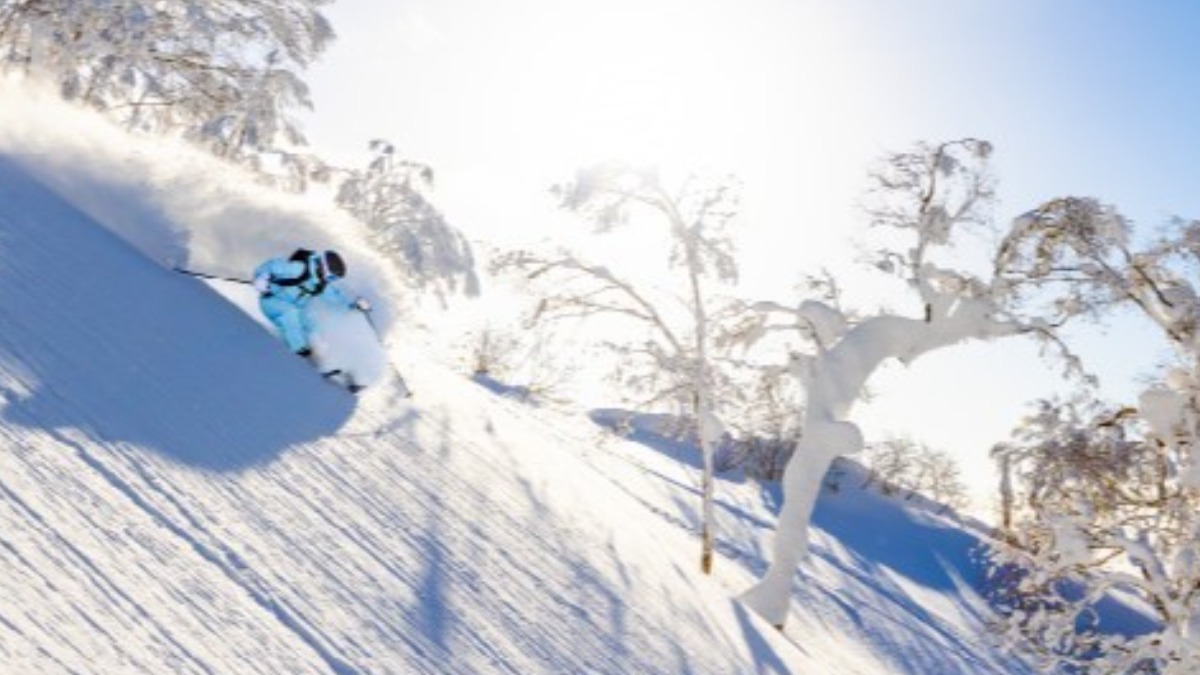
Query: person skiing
[(287, 287)]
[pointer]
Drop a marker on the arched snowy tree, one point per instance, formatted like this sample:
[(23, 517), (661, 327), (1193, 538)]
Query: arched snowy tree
[(224, 74), (924, 198)]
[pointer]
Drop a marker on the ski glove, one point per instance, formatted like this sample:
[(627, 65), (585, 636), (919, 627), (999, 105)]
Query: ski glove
[(262, 284), (361, 305)]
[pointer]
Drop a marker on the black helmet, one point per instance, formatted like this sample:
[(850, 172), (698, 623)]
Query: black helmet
[(333, 264)]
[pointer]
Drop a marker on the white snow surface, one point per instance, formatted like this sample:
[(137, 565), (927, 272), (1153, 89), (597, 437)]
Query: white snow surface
[(179, 494)]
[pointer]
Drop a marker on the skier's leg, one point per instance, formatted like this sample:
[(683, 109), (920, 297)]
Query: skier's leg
[(294, 333), (288, 319), (305, 323)]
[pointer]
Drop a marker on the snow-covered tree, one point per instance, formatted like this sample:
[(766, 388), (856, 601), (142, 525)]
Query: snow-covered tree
[(1109, 499), (389, 197), (1103, 507), (677, 353), (225, 74), (925, 199)]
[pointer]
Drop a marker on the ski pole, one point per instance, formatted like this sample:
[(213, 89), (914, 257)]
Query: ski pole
[(202, 275), (379, 338)]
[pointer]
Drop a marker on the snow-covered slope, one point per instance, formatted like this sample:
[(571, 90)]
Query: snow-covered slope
[(180, 494)]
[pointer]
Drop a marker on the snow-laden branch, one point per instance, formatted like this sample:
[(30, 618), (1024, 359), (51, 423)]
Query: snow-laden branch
[(581, 289)]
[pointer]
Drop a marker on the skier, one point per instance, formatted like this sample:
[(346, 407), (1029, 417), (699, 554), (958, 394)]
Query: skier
[(287, 286)]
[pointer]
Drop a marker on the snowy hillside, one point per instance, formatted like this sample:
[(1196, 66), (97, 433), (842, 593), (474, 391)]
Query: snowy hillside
[(180, 494)]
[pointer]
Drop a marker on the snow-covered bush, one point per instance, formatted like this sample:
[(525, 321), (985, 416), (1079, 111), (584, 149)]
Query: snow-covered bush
[(905, 468), (491, 352), (529, 365), (1103, 506), (760, 415)]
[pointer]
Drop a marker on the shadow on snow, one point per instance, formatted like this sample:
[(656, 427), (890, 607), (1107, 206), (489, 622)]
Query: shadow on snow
[(98, 338)]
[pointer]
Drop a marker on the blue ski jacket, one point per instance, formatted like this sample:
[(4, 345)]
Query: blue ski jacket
[(313, 284)]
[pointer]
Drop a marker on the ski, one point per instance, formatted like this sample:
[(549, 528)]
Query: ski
[(343, 380)]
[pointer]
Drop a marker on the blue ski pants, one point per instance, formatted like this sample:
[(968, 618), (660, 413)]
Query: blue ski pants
[(291, 320)]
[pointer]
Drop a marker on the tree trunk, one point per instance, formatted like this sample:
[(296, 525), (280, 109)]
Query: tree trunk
[(834, 384)]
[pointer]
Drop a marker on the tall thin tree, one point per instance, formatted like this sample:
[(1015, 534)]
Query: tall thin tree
[(695, 217)]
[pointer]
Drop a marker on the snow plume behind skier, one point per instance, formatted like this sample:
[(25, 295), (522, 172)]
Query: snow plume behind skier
[(187, 209), (303, 298)]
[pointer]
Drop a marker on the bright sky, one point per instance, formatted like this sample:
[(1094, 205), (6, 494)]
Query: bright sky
[(1094, 97)]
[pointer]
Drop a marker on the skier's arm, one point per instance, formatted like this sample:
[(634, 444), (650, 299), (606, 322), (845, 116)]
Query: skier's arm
[(334, 295), (275, 268), (262, 277)]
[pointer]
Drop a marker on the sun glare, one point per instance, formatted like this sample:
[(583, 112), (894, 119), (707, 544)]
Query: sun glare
[(751, 89), (515, 98), (661, 82)]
